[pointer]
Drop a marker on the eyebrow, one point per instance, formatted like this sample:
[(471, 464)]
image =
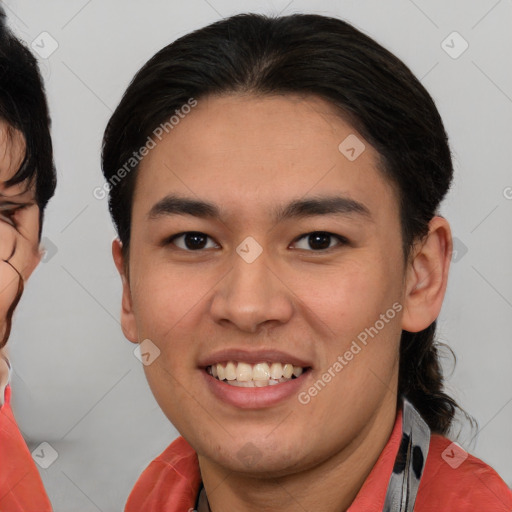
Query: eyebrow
[(299, 208)]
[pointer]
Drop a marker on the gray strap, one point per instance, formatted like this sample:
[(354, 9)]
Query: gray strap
[(409, 463)]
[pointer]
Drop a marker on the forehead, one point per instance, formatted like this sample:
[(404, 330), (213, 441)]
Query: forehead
[(248, 152)]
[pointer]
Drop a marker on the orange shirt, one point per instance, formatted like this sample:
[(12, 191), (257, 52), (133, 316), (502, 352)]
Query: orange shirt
[(171, 481), (21, 487)]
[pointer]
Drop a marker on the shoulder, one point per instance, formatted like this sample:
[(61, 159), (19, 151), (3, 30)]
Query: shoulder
[(21, 486), (171, 479), (458, 481), (179, 456)]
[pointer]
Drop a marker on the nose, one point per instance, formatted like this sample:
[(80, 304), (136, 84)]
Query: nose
[(251, 295)]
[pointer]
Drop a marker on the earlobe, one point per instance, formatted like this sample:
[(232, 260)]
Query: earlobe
[(128, 323), (427, 277)]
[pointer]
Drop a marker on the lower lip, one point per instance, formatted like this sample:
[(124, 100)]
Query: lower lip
[(255, 398)]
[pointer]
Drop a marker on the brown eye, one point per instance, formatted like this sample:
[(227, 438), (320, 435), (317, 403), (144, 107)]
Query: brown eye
[(321, 240), (192, 241)]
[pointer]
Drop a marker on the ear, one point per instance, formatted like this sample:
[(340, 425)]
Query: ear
[(128, 323), (427, 276)]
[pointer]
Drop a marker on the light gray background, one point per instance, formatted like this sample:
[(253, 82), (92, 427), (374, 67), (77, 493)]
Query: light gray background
[(77, 384)]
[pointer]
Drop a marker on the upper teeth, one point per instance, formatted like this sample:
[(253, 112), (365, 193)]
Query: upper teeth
[(244, 372)]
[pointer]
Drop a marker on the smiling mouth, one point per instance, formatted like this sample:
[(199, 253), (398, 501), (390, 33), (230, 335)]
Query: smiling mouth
[(257, 375)]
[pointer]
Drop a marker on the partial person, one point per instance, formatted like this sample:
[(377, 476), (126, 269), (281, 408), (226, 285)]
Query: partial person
[(27, 182)]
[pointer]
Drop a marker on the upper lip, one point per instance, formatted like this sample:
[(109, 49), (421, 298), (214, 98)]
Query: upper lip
[(252, 357)]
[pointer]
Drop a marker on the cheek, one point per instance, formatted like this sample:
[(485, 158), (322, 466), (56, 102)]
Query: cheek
[(169, 306), (350, 296), (159, 295), (358, 367), (357, 307)]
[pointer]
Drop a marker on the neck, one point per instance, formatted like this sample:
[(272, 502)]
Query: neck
[(330, 486)]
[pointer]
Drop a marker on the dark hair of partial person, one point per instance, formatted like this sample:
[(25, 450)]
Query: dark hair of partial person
[(23, 107), (325, 57)]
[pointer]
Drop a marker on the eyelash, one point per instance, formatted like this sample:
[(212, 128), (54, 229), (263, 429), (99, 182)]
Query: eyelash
[(342, 240)]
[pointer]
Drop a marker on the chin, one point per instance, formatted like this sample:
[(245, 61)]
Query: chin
[(256, 463), (253, 454)]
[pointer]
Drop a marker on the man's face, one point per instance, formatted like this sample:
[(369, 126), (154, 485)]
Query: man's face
[(304, 300), (19, 222)]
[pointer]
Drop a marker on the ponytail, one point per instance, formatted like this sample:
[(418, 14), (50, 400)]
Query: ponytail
[(420, 379)]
